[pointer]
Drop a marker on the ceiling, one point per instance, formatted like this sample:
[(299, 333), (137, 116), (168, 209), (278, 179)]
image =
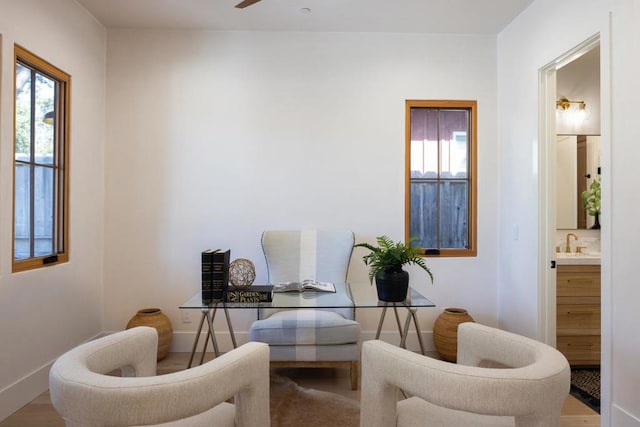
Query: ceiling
[(398, 16)]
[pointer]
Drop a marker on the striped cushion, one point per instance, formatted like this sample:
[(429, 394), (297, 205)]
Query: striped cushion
[(305, 327)]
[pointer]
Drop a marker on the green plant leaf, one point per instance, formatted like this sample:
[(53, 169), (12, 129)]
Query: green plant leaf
[(392, 256), (591, 198)]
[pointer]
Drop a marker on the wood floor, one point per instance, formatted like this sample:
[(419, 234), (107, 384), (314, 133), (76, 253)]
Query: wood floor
[(40, 412)]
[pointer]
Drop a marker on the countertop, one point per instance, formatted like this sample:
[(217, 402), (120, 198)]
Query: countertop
[(588, 258)]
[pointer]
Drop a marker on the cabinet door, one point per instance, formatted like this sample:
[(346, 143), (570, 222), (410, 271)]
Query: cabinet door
[(578, 313), (582, 318), (578, 280), (580, 349)]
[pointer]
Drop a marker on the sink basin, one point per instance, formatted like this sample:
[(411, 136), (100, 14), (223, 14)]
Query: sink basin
[(585, 258)]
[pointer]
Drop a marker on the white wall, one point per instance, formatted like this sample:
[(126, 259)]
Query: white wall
[(621, 193), (214, 137), (45, 312), (532, 40), (545, 31)]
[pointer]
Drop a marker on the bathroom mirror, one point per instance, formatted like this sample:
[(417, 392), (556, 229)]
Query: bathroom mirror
[(577, 164)]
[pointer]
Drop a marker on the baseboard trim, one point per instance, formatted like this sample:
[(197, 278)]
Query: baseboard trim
[(623, 418), (27, 388), (23, 391)]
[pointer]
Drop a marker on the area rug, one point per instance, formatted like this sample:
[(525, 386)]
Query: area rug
[(295, 406), (585, 386)]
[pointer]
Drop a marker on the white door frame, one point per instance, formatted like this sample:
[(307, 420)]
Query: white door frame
[(547, 192)]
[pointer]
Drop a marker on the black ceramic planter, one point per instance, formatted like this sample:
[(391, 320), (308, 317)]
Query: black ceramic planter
[(392, 286)]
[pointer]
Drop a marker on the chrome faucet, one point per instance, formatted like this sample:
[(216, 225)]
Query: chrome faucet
[(567, 248)]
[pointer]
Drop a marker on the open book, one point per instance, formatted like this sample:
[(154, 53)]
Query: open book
[(305, 285)]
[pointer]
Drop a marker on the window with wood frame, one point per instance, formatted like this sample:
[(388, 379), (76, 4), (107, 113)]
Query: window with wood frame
[(441, 189), (41, 166)]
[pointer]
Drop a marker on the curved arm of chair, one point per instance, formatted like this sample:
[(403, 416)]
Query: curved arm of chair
[(507, 392), (82, 394), (484, 346)]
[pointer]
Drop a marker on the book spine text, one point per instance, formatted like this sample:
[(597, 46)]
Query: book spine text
[(207, 275), (220, 275)]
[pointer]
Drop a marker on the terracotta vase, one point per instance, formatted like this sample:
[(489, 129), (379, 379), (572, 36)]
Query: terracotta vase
[(445, 332), (155, 318)]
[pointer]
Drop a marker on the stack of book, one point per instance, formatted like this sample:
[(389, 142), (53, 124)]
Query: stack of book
[(256, 293), (215, 274)]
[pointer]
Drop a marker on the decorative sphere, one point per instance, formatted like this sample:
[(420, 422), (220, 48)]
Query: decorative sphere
[(242, 273)]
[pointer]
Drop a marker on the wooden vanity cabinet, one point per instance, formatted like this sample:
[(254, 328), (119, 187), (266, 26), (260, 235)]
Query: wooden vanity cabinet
[(578, 313)]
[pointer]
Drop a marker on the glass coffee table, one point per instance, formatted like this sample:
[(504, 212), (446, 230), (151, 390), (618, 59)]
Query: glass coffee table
[(351, 296)]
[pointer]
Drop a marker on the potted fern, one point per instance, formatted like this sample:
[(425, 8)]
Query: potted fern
[(385, 263)]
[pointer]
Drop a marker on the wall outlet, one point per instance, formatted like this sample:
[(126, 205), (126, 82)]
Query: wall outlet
[(186, 316)]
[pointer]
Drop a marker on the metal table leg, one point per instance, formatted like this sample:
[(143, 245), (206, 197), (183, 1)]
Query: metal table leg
[(414, 315), (395, 311), (212, 334), (195, 342), (403, 330), (233, 336), (384, 311), (210, 314)]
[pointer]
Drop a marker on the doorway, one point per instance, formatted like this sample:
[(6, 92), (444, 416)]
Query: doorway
[(574, 330)]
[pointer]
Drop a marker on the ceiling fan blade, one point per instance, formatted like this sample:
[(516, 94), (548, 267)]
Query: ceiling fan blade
[(246, 3)]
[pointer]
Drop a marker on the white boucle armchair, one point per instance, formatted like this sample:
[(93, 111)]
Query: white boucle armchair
[(83, 393), (501, 379)]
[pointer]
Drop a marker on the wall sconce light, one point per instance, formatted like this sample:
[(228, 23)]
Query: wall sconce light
[(49, 117), (564, 104), (572, 112)]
